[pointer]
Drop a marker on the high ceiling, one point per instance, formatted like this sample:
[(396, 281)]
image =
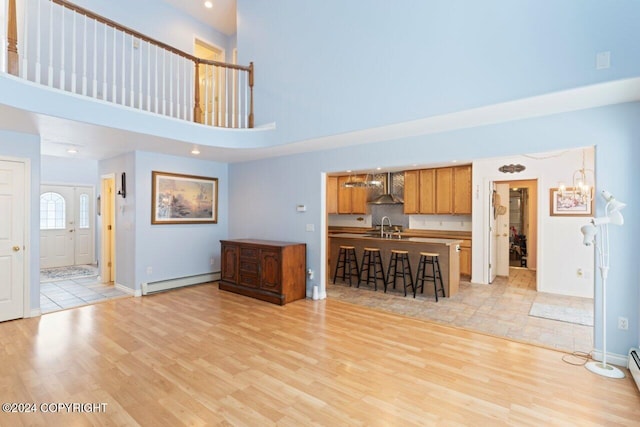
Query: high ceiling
[(222, 16)]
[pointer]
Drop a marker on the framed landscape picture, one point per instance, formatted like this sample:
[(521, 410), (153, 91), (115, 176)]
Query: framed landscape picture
[(183, 199), (567, 203)]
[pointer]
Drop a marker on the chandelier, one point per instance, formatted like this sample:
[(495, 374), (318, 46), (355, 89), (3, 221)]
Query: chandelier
[(357, 182), (581, 192)]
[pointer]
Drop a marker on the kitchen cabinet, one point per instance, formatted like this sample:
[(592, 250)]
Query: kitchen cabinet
[(332, 194), (267, 270), (351, 200), (419, 191), (444, 190), (465, 258), (462, 190)]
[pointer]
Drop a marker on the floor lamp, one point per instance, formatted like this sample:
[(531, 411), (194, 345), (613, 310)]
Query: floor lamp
[(589, 231)]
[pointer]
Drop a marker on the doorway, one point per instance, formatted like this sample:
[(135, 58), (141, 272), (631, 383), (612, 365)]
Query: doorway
[(66, 226), (211, 85), (517, 232)]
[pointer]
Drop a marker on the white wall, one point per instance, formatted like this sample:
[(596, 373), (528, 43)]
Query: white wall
[(560, 249), (66, 170)]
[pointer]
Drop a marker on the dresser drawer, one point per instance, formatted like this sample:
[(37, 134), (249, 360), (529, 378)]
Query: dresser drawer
[(250, 280), (249, 266), (249, 253)]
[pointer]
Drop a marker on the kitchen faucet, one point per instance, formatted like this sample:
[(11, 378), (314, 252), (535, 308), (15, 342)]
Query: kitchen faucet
[(382, 225)]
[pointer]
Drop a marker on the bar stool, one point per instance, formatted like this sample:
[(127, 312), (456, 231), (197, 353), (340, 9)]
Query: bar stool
[(399, 257), (429, 258), (348, 262), (371, 267)]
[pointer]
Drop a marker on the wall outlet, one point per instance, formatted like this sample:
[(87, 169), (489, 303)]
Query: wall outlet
[(580, 273), (149, 271), (623, 323), (211, 261), (603, 60)]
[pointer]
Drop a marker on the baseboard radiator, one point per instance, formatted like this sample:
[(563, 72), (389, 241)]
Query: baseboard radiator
[(163, 285), (634, 365)]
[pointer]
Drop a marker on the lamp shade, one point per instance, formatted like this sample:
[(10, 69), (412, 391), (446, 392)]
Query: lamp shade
[(589, 234)]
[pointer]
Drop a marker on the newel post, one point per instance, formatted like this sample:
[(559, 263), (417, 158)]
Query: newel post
[(12, 38), (251, 94), (197, 111)]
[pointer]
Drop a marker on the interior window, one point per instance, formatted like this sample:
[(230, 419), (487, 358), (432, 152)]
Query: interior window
[(84, 211)]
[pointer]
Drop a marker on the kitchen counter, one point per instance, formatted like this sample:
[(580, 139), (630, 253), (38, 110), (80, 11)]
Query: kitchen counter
[(447, 250)]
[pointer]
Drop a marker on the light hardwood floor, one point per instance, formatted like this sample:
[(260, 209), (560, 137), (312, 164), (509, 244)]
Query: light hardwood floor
[(199, 356)]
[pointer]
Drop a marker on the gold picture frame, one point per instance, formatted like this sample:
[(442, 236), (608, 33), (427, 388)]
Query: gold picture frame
[(564, 203), (183, 199)]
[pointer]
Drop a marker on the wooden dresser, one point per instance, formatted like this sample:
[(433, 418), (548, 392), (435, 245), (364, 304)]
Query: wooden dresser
[(268, 270)]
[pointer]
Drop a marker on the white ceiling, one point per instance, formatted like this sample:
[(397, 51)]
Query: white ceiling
[(222, 16)]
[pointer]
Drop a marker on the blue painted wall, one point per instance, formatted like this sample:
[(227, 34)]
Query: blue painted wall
[(327, 67), (264, 194), (176, 250)]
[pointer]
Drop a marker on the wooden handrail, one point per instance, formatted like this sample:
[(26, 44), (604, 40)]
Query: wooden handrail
[(12, 39)]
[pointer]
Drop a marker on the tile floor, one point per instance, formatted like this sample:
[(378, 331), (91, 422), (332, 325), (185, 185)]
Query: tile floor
[(63, 294), (501, 309)]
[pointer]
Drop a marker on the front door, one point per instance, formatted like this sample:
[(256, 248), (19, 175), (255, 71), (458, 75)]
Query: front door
[(12, 243), (66, 226), (493, 230)]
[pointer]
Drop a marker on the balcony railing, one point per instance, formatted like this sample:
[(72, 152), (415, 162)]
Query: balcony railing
[(66, 47)]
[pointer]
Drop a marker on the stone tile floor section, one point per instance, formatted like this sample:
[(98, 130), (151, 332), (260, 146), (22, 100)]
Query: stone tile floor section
[(63, 294), (500, 309)]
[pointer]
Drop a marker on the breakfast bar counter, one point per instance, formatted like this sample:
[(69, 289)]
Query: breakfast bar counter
[(447, 250)]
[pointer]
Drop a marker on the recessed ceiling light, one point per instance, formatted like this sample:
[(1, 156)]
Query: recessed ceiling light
[(72, 151), (208, 4), (195, 151), (378, 169), (454, 161)]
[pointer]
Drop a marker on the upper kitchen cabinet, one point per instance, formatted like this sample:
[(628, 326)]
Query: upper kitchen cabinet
[(419, 191), (351, 200), (443, 191), (332, 194), (462, 190)]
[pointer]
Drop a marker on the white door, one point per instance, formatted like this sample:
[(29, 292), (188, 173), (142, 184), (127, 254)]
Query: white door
[(66, 226), (502, 231), (12, 228), (493, 229)]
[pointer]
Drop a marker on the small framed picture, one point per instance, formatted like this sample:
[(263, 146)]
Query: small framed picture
[(183, 199), (570, 203)]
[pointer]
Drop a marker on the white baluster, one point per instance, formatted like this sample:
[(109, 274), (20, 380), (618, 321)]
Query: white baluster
[(50, 68), (63, 83), (84, 56), (155, 92), (24, 70), (234, 98), (226, 96), (206, 93), (132, 96), (164, 81), (170, 84), (124, 72), (38, 42), (105, 91), (114, 86), (73, 53), (140, 104), (95, 59), (148, 76)]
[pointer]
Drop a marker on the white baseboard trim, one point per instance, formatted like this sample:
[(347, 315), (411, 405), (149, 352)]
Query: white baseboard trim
[(128, 290), (35, 312), (163, 285), (321, 294), (613, 358)]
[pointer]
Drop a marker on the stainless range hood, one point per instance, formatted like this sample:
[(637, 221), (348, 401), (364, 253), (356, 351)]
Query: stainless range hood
[(387, 198)]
